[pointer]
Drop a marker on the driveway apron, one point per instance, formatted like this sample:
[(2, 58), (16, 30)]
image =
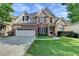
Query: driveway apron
[(15, 46)]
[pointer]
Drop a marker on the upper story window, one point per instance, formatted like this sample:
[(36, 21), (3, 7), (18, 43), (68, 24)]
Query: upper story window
[(42, 19), (25, 18), (61, 28), (35, 17), (50, 20)]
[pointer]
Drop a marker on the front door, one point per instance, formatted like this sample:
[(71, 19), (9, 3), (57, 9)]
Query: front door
[(51, 30)]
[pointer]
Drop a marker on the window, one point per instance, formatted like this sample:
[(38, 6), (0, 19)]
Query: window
[(61, 28), (26, 18), (50, 20), (23, 18), (42, 19), (35, 17)]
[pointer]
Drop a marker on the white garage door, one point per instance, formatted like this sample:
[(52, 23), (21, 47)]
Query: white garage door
[(24, 32)]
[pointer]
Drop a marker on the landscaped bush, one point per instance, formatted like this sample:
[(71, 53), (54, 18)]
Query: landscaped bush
[(45, 34), (68, 34), (75, 35), (41, 34)]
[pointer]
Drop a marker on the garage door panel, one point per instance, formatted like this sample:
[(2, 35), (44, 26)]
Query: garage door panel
[(25, 32)]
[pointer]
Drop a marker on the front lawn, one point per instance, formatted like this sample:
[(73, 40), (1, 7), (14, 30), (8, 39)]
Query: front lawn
[(63, 47)]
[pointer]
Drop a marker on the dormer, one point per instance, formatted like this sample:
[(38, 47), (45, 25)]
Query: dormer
[(24, 18)]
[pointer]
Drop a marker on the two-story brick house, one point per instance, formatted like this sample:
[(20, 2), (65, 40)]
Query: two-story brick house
[(43, 22)]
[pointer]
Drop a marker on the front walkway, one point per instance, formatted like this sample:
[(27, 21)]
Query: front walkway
[(49, 38), (15, 46)]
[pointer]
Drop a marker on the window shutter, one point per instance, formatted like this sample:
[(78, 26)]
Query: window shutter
[(23, 18)]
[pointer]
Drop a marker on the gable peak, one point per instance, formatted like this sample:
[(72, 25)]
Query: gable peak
[(25, 12), (45, 8), (62, 17)]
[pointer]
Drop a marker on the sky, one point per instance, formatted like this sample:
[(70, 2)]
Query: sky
[(56, 8)]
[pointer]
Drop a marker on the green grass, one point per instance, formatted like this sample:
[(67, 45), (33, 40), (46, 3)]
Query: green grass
[(63, 47), (44, 37)]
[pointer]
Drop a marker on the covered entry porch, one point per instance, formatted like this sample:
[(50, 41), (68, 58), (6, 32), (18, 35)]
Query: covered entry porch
[(51, 30), (46, 30)]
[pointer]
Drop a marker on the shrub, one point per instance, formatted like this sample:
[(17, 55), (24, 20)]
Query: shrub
[(41, 34), (68, 34)]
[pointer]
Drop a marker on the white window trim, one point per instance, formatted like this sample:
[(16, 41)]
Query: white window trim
[(42, 19), (61, 28)]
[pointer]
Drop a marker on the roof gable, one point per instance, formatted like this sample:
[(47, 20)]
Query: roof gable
[(23, 14), (33, 14), (62, 20), (46, 11)]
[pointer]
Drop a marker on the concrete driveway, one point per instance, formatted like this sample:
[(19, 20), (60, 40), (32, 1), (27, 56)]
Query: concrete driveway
[(15, 46)]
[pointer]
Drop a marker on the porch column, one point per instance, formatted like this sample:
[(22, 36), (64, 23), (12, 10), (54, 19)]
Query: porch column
[(53, 31), (36, 30)]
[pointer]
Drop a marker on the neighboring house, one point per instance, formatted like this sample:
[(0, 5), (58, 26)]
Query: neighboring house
[(74, 27), (2, 29), (43, 22)]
